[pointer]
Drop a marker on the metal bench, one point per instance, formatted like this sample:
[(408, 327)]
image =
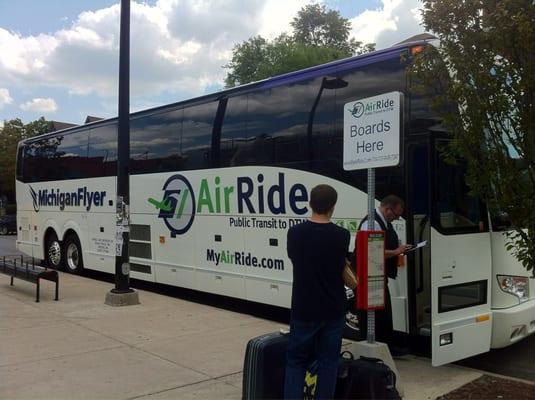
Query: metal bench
[(17, 267)]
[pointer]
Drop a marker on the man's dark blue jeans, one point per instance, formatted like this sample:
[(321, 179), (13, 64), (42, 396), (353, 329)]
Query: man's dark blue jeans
[(309, 341)]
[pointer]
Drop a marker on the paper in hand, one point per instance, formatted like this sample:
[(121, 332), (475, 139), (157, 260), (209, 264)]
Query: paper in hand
[(419, 245)]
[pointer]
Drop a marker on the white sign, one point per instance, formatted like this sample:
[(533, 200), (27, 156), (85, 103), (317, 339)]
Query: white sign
[(372, 131), (376, 270)]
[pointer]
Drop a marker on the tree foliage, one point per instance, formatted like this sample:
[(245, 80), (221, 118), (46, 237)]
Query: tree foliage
[(488, 49), (319, 36), (315, 25), (12, 132)]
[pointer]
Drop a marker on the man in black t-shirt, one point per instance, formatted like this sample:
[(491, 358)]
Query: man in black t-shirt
[(317, 249)]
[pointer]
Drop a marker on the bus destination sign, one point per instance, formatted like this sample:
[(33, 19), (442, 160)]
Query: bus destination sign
[(372, 130)]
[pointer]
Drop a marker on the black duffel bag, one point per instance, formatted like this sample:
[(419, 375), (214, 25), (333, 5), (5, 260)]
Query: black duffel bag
[(365, 378)]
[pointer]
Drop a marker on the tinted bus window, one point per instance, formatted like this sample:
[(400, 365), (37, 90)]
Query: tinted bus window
[(325, 141), (305, 121), (155, 142), (423, 117), (288, 122), (39, 161), (28, 159), (262, 127), (285, 119), (70, 158), (196, 140), (455, 210), (424, 114), (20, 161), (367, 81), (234, 139), (103, 151), (370, 80)]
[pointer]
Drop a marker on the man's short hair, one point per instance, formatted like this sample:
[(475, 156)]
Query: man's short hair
[(392, 201), (322, 198)]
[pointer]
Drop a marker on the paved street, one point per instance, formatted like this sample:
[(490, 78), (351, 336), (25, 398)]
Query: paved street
[(515, 360)]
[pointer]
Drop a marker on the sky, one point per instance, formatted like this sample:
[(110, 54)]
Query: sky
[(60, 58)]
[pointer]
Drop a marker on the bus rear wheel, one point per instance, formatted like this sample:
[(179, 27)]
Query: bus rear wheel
[(73, 255), (53, 251)]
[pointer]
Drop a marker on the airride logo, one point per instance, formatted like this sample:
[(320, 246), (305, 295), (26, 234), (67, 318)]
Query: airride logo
[(179, 204), (57, 198), (357, 110), (371, 107), (177, 209)]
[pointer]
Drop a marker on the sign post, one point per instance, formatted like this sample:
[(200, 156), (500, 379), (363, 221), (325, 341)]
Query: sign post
[(372, 128)]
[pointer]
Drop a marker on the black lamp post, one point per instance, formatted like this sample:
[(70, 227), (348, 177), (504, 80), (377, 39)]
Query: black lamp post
[(122, 294)]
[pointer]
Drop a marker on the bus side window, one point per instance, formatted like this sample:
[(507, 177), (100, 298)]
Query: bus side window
[(28, 164), (258, 148), (456, 211), (20, 162), (102, 151), (196, 142), (234, 140), (155, 142), (70, 158), (39, 159)]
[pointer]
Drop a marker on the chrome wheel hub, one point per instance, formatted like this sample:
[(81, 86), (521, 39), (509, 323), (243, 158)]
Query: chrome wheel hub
[(73, 257), (54, 253)]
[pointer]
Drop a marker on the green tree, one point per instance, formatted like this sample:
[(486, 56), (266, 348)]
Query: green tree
[(11, 133), (319, 36), (315, 25), (487, 48)]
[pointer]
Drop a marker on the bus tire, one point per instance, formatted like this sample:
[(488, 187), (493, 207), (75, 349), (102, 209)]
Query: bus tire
[(72, 251), (3, 230), (53, 254)]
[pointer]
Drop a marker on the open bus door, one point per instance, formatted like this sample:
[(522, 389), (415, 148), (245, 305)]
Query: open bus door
[(450, 276), (461, 319)]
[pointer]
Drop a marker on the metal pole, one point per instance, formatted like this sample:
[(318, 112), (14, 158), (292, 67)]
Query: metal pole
[(370, 337), (122, 266)]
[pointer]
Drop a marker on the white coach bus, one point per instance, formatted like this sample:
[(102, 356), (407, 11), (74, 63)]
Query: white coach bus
[(216, 182)]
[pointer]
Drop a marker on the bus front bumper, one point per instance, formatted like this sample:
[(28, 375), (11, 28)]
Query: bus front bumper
[(509, 325)]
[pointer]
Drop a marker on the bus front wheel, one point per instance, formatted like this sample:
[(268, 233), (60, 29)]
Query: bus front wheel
[(53, 251), (73, 255)]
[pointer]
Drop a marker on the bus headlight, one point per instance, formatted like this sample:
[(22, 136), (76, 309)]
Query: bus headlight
[(516, 285)]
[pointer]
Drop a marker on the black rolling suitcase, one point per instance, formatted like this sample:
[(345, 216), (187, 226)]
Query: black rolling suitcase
[(264, 367)]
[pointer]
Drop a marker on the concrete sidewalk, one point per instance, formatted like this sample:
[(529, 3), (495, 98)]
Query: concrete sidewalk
[(164, 348)]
